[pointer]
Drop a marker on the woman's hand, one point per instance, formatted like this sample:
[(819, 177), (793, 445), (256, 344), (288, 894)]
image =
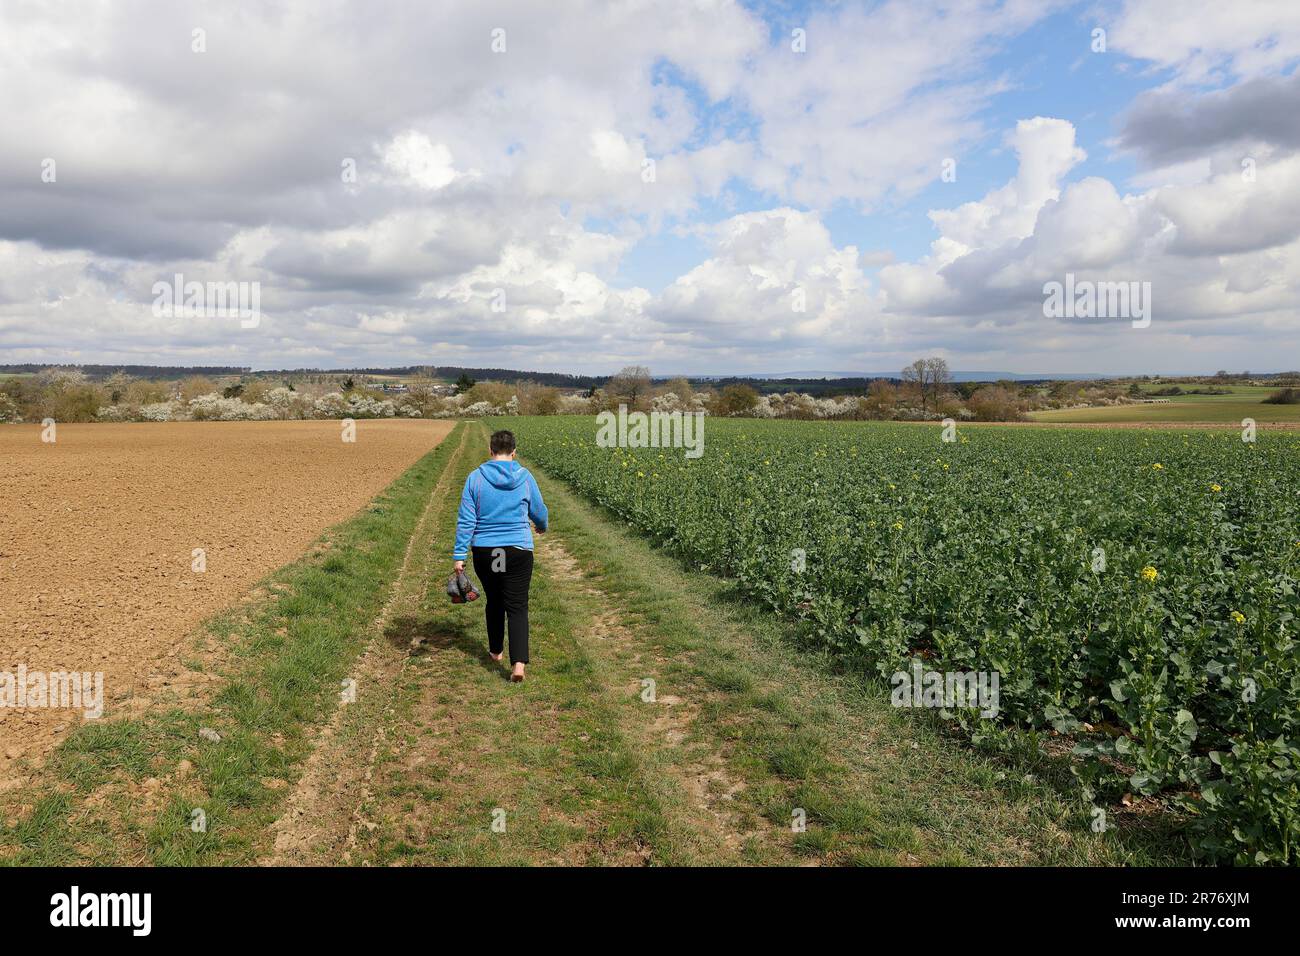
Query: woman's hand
[(458, 566)]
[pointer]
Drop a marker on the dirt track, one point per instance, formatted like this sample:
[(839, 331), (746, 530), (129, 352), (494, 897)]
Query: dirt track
[(97, 532)]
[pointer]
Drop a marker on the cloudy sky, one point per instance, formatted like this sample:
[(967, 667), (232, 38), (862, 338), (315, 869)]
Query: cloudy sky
[(696, 185)]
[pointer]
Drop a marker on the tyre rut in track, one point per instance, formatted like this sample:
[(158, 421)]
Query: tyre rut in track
[(322, 815)]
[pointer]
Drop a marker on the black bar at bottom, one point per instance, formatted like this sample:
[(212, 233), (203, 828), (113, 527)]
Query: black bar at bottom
[(264, 905)]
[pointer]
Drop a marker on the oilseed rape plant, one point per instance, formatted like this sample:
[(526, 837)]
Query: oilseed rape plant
[(1136, 591)]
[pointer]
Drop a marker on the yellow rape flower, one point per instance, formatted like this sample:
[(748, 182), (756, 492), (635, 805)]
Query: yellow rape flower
[(1149, 573), (1237, 617)]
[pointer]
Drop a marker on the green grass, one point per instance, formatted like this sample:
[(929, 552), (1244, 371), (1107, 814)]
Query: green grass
[(464, 743), (1233, 393), (1239, 402)]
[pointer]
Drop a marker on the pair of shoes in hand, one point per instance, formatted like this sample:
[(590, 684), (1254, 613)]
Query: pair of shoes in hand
[(461, 589)]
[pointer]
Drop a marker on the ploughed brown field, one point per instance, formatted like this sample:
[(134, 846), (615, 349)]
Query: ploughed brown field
[(98, 530)]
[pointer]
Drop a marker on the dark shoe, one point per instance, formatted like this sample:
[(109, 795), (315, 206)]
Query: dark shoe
[(461, 589)]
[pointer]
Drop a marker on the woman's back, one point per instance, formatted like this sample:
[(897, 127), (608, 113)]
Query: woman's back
[(499, 499)]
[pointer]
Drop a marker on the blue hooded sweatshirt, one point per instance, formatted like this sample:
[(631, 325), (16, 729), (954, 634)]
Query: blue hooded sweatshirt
[(499, 499)]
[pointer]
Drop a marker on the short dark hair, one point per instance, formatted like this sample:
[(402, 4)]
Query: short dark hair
[(503, 442)]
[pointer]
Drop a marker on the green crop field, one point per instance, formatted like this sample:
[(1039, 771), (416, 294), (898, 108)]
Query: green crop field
[(1207, 409), (1238, 403), (1136, 591), (1232, 393)]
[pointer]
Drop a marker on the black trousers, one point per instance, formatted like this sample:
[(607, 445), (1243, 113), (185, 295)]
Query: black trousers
[(506, 574)]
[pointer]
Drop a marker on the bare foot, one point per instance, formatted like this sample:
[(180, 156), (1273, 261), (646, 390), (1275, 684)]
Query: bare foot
[(495, 657), (518, 673)]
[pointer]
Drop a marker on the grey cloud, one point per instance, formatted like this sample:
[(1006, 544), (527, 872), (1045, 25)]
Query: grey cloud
[(1172, 126)]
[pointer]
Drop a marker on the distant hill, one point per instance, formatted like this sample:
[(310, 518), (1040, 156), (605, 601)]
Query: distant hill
[(452, 372), (957, 376), (813, 381), (136, 371)]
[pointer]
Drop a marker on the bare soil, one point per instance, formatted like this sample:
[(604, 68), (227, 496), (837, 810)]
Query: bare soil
[(98, 531)]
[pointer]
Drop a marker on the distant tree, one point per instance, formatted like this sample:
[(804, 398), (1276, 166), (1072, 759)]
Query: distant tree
[(1064, 390), (421, 395), (196, 385), (940, 376), (630, 386), (117, 384), (66, 395), (881, 401), (995, 404), (496, 394), (9, 410), (681, 388), (735, 400), (464, 383), (929, 377), (537, 399), (349, 384), (233, 391)]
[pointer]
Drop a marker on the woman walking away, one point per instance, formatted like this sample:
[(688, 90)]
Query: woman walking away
[(500, 497)]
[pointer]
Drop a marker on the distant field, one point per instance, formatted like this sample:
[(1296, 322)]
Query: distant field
[(1236, 393), (404, 379), (1228, 410)]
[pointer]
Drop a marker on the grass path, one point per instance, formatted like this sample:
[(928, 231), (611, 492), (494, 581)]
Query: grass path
[(319, 825), (664, 723)]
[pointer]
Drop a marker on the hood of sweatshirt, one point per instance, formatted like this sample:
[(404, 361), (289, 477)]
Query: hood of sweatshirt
[(504, 475)]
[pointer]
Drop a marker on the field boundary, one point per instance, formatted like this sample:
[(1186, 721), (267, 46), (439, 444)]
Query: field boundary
[(311, 811)]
